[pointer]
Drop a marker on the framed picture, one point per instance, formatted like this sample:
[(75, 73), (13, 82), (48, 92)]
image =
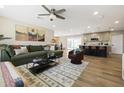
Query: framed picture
[(21, 33), (24, 33), (32, 34), (40, 35)]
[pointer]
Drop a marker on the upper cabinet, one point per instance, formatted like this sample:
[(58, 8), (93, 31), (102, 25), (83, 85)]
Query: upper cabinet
[(99, 37)]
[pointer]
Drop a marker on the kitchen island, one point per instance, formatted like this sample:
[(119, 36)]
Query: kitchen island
[(96, 50)]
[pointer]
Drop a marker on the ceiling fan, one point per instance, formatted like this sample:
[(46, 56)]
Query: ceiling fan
[(53, 13)]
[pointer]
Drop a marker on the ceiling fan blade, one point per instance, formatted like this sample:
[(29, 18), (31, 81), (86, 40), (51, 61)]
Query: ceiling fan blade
[(61, 17), (43, 14), (46, 8), (60, 11)]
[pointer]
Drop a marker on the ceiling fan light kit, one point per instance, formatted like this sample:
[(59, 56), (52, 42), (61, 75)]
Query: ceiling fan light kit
[(52, 17)]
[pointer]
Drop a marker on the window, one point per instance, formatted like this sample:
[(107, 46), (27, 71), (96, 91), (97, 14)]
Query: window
[(73, 43)]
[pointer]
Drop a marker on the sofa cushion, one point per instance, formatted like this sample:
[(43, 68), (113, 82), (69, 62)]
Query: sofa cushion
[(39, 54), (36, 48), (21, 59), (28, 57)]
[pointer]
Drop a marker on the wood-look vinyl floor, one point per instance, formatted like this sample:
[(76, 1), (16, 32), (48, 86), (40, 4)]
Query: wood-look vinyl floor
[(101, 72)]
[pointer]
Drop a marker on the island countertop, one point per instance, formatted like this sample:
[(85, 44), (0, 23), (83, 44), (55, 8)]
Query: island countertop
[(96, 45)]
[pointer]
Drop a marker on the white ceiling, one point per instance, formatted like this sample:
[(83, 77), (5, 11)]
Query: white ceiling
[(78, 17)]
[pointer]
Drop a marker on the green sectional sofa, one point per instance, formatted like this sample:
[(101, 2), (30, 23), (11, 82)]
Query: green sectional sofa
[(8, 54)]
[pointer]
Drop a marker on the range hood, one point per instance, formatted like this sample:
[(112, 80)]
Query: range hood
[(2, 37)]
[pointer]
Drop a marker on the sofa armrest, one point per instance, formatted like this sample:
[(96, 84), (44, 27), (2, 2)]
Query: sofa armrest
[(5, 56), (58, 53)]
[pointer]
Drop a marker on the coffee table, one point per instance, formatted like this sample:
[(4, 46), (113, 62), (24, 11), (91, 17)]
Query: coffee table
[(40, 65)]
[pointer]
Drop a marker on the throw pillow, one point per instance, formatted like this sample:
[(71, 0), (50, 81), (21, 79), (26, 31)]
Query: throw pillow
[(52, 47), (24, 49), (21, 51), (47, 48), (18, 51)]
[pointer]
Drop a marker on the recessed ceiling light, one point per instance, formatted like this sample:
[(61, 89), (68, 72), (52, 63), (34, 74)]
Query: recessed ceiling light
[(116, 22), (88, 27), (96, 13), (53, 25), (1, 6)]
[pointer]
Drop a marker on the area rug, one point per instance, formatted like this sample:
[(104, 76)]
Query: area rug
[(62, 75)]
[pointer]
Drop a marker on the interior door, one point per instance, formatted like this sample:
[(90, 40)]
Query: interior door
[(117, 44)]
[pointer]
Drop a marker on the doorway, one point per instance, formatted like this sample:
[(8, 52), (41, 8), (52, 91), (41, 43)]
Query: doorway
[(117, 44)]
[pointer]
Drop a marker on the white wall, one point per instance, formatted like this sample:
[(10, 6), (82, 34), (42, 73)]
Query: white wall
[(7, 28)]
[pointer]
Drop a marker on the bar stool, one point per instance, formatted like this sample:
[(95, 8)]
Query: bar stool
[(93, 50), (87, 50), (102, 51)]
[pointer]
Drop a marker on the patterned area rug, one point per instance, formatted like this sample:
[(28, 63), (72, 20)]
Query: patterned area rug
[(62, 75)]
